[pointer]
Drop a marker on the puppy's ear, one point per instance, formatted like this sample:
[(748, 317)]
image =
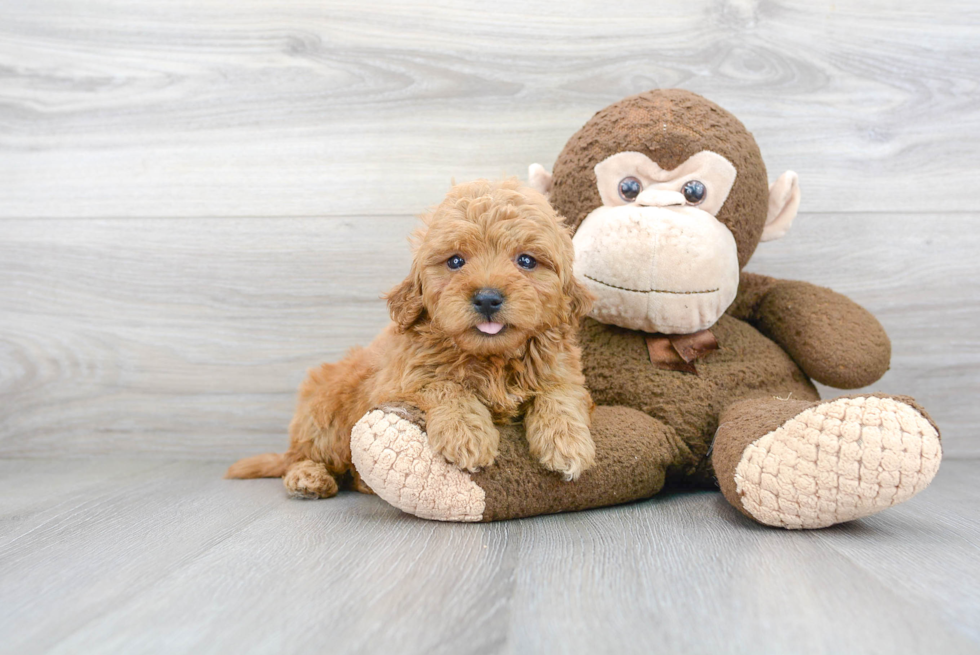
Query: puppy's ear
[(580, 299), (405, 301)]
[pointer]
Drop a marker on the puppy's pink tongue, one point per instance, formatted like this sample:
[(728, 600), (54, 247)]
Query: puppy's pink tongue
[(490, 328)]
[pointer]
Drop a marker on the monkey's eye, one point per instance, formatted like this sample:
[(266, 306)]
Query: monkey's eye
[(629, 188), (455, 262), (694, 192), (526, 261)]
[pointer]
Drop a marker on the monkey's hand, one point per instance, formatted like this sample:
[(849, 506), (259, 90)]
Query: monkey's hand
[(832, 338)]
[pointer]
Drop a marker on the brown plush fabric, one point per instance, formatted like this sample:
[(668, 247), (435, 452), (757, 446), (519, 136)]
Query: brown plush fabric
[(633, 454), (832, 338), (746, 365), (740, 425), (752, 288), (667, 125), (811, 322)]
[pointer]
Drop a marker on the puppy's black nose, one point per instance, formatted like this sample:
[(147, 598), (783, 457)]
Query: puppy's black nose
[(488, 301)]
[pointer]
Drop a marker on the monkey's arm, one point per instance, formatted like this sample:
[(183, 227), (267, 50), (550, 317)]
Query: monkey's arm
[(832, 338)]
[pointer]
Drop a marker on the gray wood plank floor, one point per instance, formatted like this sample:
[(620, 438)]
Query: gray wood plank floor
[(131, 556)]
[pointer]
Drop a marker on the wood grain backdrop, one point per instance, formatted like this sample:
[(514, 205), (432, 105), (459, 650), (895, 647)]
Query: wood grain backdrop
[(199, 200)]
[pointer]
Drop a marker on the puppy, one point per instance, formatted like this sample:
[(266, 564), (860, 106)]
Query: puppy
[(483, 332)]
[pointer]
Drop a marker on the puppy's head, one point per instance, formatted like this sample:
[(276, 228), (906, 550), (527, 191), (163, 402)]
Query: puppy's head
[(492, 268)]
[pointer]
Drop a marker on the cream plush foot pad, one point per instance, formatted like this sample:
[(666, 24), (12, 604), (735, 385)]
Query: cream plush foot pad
[(838, 461), (393, 457)]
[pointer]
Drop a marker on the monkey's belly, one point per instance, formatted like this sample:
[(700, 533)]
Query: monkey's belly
[(747, 364)]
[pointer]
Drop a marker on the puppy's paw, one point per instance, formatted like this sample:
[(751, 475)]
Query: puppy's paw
[(566, 448), (309, 479), (469, 442)]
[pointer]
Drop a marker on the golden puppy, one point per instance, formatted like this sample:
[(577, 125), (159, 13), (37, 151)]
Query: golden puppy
[(484, 332)]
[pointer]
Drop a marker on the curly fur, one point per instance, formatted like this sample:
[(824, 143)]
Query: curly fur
[(432, 355)]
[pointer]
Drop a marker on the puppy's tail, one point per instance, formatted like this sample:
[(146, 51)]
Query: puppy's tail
[(269, 465)]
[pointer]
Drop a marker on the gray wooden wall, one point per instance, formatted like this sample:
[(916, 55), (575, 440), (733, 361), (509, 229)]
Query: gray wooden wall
[(199, 200)]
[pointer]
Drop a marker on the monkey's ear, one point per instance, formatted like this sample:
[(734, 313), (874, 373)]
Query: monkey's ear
[(784, 200), (405, 302), (539, 179)]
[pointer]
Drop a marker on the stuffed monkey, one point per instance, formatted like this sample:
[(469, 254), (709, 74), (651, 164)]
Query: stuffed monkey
[(701, 372)]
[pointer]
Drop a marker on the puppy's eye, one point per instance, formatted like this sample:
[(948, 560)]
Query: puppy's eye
[(526, 261), (629, 188), (455, 262), (694, 192)]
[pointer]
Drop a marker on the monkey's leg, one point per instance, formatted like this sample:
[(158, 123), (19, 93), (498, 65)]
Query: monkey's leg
[(391, 453), (799, 464)]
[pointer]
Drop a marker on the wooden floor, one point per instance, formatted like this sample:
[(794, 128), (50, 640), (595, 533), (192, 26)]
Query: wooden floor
[(133, 556)]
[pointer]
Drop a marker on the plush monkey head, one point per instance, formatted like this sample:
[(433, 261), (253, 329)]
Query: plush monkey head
[(668, 197)]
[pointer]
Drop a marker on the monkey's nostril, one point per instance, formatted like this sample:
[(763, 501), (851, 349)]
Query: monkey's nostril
[(488, 301)]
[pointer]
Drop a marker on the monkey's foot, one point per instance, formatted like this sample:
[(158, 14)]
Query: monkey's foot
[(391, 453), (832, 462)]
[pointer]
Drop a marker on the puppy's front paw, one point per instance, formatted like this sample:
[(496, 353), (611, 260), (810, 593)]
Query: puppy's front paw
[(469, 442), (566, 448)]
